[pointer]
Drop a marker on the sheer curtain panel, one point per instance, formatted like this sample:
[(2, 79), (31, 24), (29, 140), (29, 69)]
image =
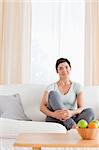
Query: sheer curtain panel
[(15, 39), (92, 43)]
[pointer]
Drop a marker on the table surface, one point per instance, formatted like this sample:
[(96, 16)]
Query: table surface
[(69, 139)]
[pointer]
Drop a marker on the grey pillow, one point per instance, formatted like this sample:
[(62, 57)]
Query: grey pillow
[(11, 107)]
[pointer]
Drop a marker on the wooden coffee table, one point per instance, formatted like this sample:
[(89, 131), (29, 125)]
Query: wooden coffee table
[(38, 140)]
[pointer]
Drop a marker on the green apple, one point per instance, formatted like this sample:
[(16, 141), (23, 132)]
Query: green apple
[(96, 121), (82, 123)]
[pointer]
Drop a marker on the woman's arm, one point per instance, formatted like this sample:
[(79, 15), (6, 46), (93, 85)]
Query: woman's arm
[(80, 107), (80, 104), (58, 114), (43, 105)]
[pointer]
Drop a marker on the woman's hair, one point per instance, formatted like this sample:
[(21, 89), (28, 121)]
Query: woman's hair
[(61, 60)]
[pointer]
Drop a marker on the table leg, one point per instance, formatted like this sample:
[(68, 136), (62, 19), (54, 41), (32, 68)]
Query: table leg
[(36, 148)]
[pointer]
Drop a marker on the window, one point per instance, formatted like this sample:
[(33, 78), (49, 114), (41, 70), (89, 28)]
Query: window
[(57, 31)]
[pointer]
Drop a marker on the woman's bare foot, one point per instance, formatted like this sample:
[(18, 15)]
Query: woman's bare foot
[(74, 126)]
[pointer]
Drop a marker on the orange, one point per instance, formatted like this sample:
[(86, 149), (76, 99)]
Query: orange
[(96, 121), (92, 125)]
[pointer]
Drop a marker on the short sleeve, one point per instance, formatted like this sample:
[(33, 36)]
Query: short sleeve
[(78, 88), (50, 87)]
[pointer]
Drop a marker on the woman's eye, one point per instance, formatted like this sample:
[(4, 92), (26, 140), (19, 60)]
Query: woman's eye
[(60, 68)]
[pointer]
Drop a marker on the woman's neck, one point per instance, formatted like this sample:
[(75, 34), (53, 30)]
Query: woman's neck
[(65, 82)]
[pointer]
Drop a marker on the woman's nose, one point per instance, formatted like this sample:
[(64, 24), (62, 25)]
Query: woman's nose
[(64, 70)]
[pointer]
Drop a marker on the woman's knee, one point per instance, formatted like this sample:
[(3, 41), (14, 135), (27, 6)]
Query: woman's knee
[(89, 113), (52, 94), (54, 101)]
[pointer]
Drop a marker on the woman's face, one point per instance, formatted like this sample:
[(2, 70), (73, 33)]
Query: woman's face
[(63, 69)]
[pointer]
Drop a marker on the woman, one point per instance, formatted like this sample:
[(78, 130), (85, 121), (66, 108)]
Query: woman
[(63, 100)]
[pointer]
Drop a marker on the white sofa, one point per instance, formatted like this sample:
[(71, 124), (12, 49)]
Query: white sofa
[(30, 97)]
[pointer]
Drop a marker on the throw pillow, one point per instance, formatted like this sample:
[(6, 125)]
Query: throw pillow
[(11, 107)]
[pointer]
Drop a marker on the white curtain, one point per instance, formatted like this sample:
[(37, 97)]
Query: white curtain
[(15, 37), (57, 31), (92, 43)]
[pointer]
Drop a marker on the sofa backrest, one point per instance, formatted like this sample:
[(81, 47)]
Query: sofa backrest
[(31, 95), (91, 97)]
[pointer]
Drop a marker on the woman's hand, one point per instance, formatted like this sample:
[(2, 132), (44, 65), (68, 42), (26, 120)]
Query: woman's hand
[(67, 114), (63, 115), (58, 114)]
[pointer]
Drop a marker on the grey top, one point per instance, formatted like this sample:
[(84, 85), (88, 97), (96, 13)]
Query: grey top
[(68, 99)]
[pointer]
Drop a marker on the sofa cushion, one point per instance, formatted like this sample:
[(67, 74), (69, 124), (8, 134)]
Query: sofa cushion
[(11, 127), (11, 107)]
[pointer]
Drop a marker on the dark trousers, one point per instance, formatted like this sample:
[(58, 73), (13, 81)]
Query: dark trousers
[(54, 103)]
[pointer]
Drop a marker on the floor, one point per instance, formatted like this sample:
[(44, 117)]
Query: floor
[(6, 143)]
